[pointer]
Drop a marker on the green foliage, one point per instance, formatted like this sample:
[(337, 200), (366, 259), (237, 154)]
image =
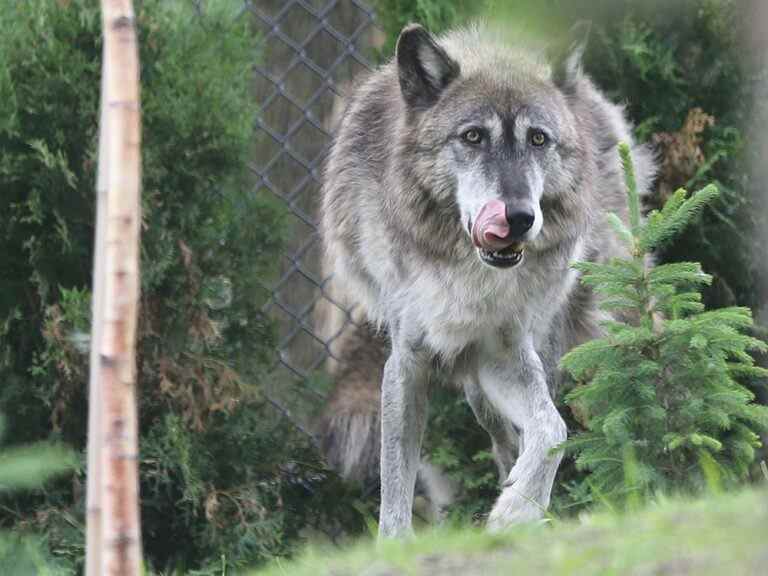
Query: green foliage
[(460, 448), (435, 15), (26, 556), (246, 499), (215, 490), (661, 390), (25, 468), (31, 466), (668, 61)]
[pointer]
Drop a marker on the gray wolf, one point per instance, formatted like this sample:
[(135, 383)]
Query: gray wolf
[(464, 178)]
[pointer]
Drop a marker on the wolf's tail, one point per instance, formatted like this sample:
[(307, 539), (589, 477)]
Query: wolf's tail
[(349, 427)]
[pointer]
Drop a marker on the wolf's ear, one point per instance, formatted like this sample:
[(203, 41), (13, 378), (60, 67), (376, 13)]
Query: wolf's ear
[(424, 68), (567, 57)]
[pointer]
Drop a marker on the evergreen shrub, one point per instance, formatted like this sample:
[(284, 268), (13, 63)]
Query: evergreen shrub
[(664, 407)]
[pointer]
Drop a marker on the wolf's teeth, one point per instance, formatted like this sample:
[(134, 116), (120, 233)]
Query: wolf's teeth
[(503, 256)]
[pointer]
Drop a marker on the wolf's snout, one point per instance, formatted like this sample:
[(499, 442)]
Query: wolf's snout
[(520, 221), (499, 225)]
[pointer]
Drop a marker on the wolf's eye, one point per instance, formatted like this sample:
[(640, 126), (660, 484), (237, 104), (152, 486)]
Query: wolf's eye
[(538, 138), (472, 136)]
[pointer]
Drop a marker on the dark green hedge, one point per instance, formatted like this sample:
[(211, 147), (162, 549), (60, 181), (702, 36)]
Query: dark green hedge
[(217, 491)]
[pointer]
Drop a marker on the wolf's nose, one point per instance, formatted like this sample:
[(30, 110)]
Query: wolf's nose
[(520, 221)]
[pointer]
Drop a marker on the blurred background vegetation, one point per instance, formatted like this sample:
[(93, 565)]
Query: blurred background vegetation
[(226, 480)]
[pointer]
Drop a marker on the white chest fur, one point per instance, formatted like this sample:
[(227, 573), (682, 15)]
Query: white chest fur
[(454, 307)]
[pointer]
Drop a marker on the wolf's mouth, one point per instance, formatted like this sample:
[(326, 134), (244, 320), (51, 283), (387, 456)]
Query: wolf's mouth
[(505, 258)]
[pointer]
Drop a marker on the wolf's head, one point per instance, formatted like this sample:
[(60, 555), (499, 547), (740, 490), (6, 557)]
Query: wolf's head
[(490, 130)]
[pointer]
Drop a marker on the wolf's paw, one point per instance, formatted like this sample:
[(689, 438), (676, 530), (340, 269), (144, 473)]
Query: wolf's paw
[(513, 507)]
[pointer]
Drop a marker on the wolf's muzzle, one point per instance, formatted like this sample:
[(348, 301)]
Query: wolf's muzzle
[(497, 233)]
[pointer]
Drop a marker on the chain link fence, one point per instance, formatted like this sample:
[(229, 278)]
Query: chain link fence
[(311, 49)]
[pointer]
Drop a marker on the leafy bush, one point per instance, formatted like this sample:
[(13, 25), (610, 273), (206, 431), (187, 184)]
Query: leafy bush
[(215, 489), (665, 409)]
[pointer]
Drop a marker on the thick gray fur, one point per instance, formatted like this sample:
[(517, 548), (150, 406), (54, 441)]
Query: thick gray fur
[(401, 189)]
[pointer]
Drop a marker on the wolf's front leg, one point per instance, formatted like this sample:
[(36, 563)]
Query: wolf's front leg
[(403, 419), (517, 388)]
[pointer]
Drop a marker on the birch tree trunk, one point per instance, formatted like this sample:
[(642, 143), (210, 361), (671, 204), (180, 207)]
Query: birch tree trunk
[(113, 532), (93, 501)]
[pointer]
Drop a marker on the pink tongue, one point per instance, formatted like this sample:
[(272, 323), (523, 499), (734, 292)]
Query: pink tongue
[(491, 228)]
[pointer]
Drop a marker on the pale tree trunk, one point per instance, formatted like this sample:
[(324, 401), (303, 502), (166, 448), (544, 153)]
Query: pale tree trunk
[(93, 505), (113, 533)]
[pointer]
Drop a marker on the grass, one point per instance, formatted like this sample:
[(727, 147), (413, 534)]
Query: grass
[(718, 535)]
